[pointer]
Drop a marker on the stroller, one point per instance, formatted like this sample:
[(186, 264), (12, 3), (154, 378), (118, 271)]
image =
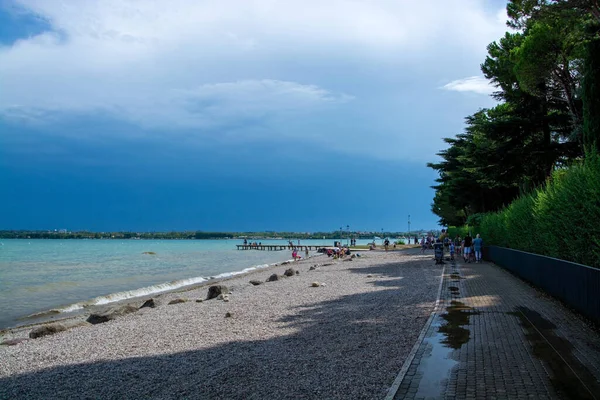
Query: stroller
[(438, 251)]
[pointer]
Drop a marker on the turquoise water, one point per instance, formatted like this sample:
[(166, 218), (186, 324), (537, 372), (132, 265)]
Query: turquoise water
[(37, 276)]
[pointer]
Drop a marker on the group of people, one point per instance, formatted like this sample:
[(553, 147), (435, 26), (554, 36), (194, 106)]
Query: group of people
[(296, 256), (336, 252), (253, 244), (470, 248), (427, 243)]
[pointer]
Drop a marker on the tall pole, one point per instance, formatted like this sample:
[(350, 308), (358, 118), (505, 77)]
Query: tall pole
[(348, 234), (408, 228), (341, 236)]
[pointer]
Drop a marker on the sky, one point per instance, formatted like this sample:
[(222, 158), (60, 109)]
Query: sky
[(234, 115)]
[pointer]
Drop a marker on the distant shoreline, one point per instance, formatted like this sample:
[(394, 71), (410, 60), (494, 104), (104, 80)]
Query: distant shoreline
[(200, 235)]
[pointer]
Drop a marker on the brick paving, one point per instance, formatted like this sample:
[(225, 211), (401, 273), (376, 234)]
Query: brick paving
[(495, 337)]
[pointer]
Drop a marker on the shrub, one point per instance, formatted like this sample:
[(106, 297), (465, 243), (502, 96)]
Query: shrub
[(559, 219)]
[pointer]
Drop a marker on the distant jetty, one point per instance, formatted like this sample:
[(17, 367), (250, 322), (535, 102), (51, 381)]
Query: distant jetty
[(279, 247)]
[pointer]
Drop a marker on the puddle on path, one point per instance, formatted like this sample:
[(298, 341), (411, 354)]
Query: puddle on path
[(451, 332), (569, 377), (435, 367), (456, 317)]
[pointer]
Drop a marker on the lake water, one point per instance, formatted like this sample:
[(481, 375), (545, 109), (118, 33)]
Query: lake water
[(37, 276)]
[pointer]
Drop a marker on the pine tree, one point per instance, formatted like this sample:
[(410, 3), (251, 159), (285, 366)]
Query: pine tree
[(591, 94)]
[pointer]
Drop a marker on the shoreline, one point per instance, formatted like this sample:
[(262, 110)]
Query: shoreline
[(79, 308), (53, 315), (346, 338)]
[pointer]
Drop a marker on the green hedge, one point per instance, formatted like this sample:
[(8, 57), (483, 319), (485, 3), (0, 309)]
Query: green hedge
[(560, 219), (461, 231)]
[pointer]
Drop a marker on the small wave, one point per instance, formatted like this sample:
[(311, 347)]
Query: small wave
[(41, 314), (130, 294), (71, 308), (149, 290), (245, 270)]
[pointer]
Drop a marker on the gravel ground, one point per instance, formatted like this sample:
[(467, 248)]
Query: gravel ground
[(285, 339)]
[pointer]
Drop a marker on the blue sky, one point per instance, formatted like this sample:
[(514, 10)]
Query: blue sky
[(233, 115)]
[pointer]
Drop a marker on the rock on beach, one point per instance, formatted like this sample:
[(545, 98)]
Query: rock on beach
[(215, 290), (274, 277), (101, 317), (178, 301), (149, 303), (290, 272), (46, 330)]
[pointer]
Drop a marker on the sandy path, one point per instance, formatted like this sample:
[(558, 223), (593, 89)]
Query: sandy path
[(285, 339)]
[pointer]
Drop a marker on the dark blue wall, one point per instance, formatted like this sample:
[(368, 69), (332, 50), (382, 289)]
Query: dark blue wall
[(576, 285)]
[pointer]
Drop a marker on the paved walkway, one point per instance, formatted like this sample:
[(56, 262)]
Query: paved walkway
[(495, 337)]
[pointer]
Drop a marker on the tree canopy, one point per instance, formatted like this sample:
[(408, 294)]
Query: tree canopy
[(546, 72)]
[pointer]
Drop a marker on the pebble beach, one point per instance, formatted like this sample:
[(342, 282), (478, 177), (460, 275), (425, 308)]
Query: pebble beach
[(337, 329)]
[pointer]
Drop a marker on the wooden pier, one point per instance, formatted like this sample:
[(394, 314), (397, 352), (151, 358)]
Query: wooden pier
[(279, 247)]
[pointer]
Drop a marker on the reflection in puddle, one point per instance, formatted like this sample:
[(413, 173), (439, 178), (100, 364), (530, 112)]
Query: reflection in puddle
[(451, 332), (569, 377), (435, 367), (456, 316)]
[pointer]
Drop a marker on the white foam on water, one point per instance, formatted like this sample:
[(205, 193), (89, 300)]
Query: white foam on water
[(72, 307), (163, 287), (149, 290), (130, 294), (234, 273)]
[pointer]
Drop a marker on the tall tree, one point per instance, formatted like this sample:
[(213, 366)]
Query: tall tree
[(591, 91), (513, 147), (519, 11)]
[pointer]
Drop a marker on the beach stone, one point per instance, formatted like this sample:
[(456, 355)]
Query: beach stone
[(274, 277), (178, 301), (228, 315), (224, 297), (290, 272), (315, 284), (13, 342), (312, 268), (46, 330), (256, 283), (199, 300), (105, 316), (149, 303), (285, 263), (297, 272), (215, 290), (369, 276)]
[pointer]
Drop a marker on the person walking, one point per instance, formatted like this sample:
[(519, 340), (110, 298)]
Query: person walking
[(477, 246), (467, 243)]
